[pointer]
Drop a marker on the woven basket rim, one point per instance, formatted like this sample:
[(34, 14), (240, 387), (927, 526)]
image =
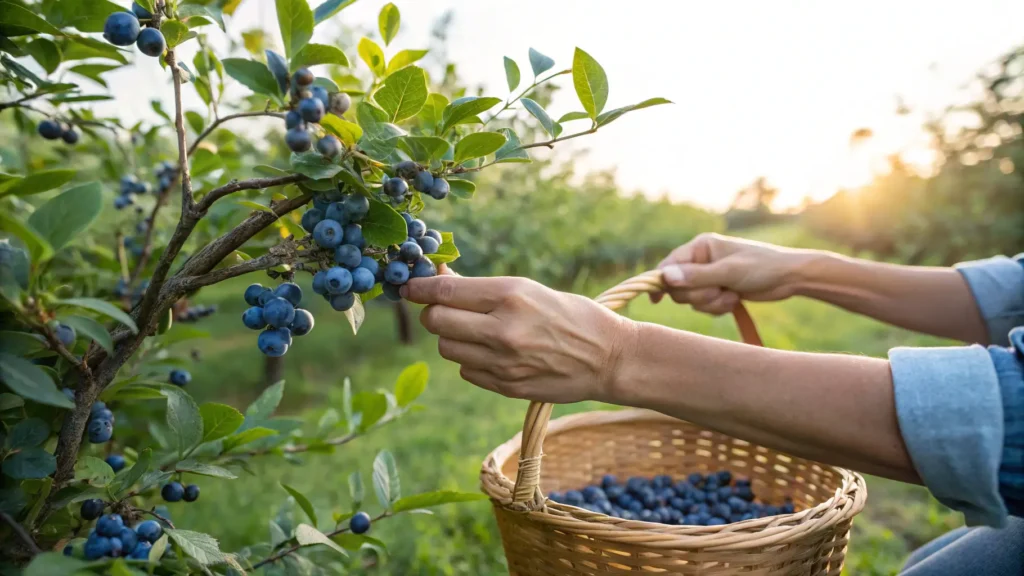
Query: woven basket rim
[(847, 501)]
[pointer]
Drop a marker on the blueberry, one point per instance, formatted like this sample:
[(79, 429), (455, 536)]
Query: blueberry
[(370, 264), (423, 181), (129, 540), (343, 302), (252, 294), (396, 188), (141, 551), (180, 377), (116, 547), (769, 511), (429, 245), (311, 109), (357, 206), (302, 324), (724, 477), (149, 530), (574, 498), (662, 481), (636, 484), (716, 521), (69, 136), (362, 280), (391, 291), (725, 492), (298, 140), (310, 219), (738, 504), (151, 42), (348, 256), (116, 462), (66, 335), (293, 120), (439, 189), (354, 235), (172, 491), (290, 291), (423, 268), (191, 493), (164, 183), (699, 496), (614, 491), (336, 211), (696, 479), (435, 235), (416, 229), (407, 217), (97, 408), (140, 12), (712, 497), (109, 525), (340, 103), (97, 547), (279, 312), (556, 497), (273, 342), (303, 77), (328, 233), (92, 509), (328, 146), (122, 202), (253, 318), (100, 430), (745, 492), (594, 494), (410, 252), (721, 510), (743, 482), (320, 93), (121, 29), (636, 506), (359, 523), (339, 280), (320, 282), (396, 273), (50, 130), (787, 508)]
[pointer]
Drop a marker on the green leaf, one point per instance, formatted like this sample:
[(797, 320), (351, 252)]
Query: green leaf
[(219, 420), (28, 433), (156, 553), (539, 62), (45, 52), (136, 472), (21, 343), (64, 217), (431, 499), (18, 16), (302, 501), (551, 127), (10, 401), (174, 32), (263, 407), (433, 111), (50, 563), (478, 145), (447, 252), (383, 226), (612, 115), (411, 383), (91, 328), (330, 8), (196, 122), (38, 246), (278, 66), (590, 81), (464, 189), (511, 73), (403, 93), (31, 382), (203, 469), (372, 54), (30, 463), (385, 479), (314, 165), (570, 116), (90, 468), (101, 307), (208, 12), (424, 149), (356, 490), (36, 182), (403, 59), (85, 16), (371, 407), (83, 48), (183, 418), (296, 21), (250, 435), (94, 72), (356, 314), (388, 22), (202, 547), (511, 151), (463, 108), (253, 75), (314, 54), (347, 132), (205, 161), (307, 535)]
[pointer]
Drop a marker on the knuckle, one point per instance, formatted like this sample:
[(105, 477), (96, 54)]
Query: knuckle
[(445, 288)]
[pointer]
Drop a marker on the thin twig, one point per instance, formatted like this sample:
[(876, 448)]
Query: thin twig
[(32, 546), (509, 103), (295, 548), (216, 124), (156, 515), (551, 143), (239, 185)]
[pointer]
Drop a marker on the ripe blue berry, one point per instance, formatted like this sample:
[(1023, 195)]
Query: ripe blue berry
[(311, 109), (370, 264), (302, 324), (66, 335), (396, 188), (100, 430), (121, 29), (410, 252), (293, 120), (149, 530), (348, 256), (69, 136), (362, 280), (320, 93), (110, 525), (423, 268), (274, 342), (435, 235), (336, 211), (298, 140), (429, 245), (191, 493), (406, 169), (311, 218), (172, 491), (151, 42), (328, 234), (129, 540), (140, 12), (116, 462), (97, 547), (396, 273), (357, 206), (252, 294), (116, 547), (92, 509), (342, 302), (416, 228), (423, 181), (122, 202), (253, 318), (320, 282), (360, 523), (354, 235), (787, 508), (574, 498), (391, 292), (290, 291), (339, 280), (180, 377), (279, 312), (716, 521), (50, 130), (407, 217), (303, 77), (340, 103), (328, 146), (439, 190), (141, 551)]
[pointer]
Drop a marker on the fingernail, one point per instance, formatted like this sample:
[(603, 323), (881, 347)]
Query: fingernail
[(673, 275), (404, 291)]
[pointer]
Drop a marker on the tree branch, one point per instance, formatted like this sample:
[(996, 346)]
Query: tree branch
[(216, 124), (509, 103), (287, 551), (284, 253), (551, 143), (156, 515), (17, 528), (239, 185)]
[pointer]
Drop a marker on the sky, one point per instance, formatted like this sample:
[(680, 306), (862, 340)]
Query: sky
[(771, 89)]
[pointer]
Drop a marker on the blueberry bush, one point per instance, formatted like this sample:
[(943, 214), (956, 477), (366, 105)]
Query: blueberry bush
[(101, 440)]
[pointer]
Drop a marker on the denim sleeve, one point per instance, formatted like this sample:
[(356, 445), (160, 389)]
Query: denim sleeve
[(998, 287), (1009, 363)]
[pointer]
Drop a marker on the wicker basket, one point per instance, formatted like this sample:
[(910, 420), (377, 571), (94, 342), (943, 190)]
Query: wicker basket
[(542, 537)]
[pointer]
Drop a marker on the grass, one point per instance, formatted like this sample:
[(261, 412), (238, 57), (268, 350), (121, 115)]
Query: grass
[(443, 445)]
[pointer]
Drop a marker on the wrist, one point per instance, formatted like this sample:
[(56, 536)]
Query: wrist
[(808, 270), (621, 363)]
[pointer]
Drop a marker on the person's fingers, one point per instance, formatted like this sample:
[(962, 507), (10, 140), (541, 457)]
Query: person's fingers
[(444, 270), (697, 296), (481, 378), (696, 250), (468, 354), (476, 294), (718, 273), (464, 325), (723, 304)]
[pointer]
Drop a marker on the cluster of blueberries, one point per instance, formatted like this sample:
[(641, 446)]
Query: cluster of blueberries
[(309, 104), (124, 29), (101, 423), (397, 188), (175, 492), (179, 377), (131, 186), (277, 313), (193, 313), (713, 499), (111, 538), (121, 289), (54, 130)]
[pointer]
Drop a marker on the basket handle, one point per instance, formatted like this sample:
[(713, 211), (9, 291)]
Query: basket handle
[(527, 494)]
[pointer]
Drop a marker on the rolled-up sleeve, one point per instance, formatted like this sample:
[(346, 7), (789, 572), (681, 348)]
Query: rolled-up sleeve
[(998, 287)]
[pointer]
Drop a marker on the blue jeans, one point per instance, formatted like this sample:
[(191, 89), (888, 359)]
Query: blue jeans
[(966, 551)]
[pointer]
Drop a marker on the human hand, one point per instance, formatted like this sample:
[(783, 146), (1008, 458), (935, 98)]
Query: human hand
[(520, 339), (713, 273)]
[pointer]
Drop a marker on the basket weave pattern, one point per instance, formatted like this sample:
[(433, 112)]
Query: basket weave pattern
[(546, 538)]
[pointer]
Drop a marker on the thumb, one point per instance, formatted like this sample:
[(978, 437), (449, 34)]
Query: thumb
[(692, 275)]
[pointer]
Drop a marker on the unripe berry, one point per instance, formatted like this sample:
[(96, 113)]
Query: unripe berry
[(340, 103), (303, 77)]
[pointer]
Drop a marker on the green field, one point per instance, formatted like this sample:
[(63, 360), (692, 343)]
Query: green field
[(443, 445)]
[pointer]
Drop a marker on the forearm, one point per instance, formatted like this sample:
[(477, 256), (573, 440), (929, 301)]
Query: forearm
[(931, 300), (825, 407)]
